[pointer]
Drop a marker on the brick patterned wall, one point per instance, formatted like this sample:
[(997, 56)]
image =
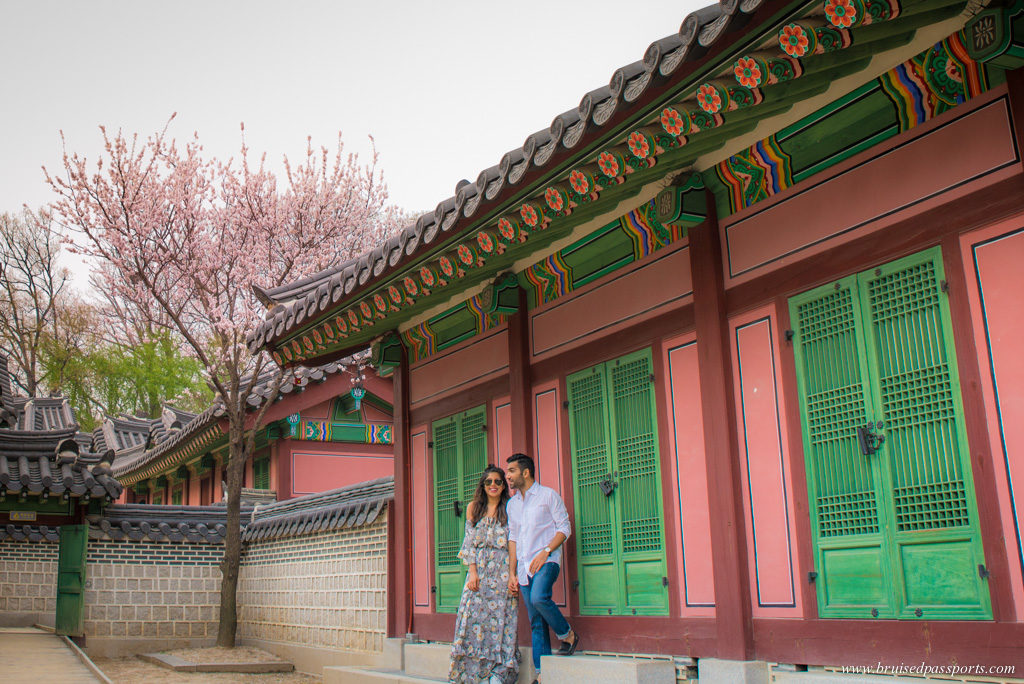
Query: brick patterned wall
[(28, 581), (323, 590), (167, 590)]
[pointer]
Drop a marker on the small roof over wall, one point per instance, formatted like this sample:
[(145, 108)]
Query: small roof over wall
[(348, 507)]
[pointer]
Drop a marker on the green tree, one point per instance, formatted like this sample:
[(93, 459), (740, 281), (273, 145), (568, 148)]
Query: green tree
[(108, 378)]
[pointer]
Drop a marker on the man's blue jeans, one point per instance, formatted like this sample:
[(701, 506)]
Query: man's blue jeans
[(543, 611)]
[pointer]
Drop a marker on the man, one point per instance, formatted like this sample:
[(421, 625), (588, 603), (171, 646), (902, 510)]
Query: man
[(538, 524)]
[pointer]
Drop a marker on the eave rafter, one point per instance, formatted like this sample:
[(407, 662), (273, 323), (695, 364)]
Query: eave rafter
[(798, 58)]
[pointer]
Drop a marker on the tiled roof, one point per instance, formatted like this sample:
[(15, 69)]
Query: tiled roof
[(350, 506), (53, 463), (139, 522), (599, 113), (43, 454), (122, 433), (32, 533)]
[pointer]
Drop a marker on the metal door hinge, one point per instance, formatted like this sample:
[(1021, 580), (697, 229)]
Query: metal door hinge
[(457, 505), (664, 581), (565, 404), (433, 588), (983, 572), (811, 576), (430, 444), (575, 585), (789, 335), (944, 286)]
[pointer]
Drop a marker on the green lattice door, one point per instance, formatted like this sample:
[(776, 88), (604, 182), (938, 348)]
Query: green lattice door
[(620, 538), (894, 515), (460, 455)]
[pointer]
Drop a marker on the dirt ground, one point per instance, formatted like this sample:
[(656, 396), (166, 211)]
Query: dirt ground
[(132, 670)]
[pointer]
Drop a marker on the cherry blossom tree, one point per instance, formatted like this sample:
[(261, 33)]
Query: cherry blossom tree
[(185, 237)]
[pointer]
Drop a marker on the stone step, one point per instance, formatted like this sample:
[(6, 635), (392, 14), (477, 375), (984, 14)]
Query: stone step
[(428, 660), (432, 661), (348, 674), (606, 670)]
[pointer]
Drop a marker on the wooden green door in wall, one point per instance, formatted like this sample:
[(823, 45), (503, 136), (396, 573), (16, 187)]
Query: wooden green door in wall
[(895, 520), (619, 529), (71, 579), (460, 456)]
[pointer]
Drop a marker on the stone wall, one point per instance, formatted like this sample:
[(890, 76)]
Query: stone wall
[(151, 593), (324, 590), (28, 582)]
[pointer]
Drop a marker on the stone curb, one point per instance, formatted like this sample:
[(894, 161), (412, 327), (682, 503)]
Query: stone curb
[(180, 665), (97, 672)]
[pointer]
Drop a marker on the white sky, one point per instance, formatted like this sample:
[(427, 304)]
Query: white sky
[(446, 88)]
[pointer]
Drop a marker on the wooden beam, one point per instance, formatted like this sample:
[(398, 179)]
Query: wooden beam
[(400, 556), (890, 642), (721, 451), (985, 206), (520, 381)]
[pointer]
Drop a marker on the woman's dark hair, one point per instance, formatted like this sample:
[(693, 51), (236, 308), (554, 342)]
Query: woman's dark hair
[(478, 509)]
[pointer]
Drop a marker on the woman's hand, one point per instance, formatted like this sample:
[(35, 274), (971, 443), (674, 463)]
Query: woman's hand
[(513, 585), (473, 581)]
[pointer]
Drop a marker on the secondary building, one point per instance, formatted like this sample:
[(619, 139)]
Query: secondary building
[(328, 427)]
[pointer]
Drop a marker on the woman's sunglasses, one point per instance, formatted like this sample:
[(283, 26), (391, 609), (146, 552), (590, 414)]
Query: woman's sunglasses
[(493, 483)]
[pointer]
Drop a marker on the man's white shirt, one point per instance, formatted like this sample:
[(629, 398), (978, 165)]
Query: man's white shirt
[(533, 519)]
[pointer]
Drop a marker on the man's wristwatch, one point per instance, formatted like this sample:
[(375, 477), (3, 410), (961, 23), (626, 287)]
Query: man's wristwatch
[(548, 549)]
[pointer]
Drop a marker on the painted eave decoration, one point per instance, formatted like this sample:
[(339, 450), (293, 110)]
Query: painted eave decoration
[(318, 430), (729, 67)]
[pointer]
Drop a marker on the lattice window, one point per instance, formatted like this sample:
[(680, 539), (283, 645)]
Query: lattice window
[(637, 454), (835, 407), (590, 444)]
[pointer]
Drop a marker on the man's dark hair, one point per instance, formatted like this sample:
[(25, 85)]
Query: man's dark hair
[(524, 462)]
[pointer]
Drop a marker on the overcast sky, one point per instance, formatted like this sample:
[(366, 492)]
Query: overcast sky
[(446, 88)]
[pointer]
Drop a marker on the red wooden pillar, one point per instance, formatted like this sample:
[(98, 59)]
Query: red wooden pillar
[(721, 451), (520, 381), (400, 557), (983, 464), (284, 469)]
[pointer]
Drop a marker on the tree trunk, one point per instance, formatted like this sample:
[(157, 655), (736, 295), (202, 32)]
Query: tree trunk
[(233, 538)]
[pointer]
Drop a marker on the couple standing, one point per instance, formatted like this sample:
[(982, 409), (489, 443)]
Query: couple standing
[(513, 546)]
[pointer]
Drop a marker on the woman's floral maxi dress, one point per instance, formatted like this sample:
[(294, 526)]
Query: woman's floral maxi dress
[(485, 628)]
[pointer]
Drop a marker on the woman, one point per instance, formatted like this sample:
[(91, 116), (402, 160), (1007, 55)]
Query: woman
[(484, 648)]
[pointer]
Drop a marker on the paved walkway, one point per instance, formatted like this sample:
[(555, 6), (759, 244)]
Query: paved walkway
[(32, 655)]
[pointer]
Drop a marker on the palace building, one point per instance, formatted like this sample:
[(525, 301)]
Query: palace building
[(752, 308)]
